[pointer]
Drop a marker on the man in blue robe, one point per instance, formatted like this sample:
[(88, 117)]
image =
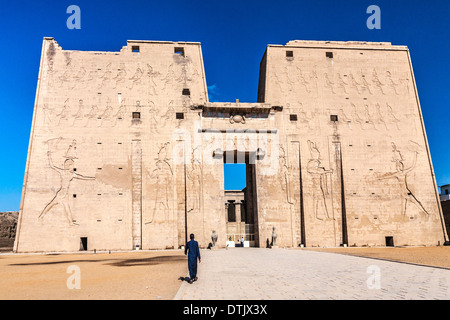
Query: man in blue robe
[(193, 253)]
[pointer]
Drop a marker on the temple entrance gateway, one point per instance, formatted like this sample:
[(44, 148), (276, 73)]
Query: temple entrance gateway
[(335, 133), (240, 205)]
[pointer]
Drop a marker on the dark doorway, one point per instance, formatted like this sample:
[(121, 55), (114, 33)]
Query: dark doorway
[(389, 241), (83, 244)]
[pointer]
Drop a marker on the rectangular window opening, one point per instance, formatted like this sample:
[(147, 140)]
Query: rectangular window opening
[(186, 92), (333, 117), (179, 115), (135, 49), (289, 54), (179, 51), (136, 115), (293, 117), (329, 55)]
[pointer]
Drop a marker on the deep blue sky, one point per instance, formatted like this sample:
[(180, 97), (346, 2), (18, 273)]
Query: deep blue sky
[(233, 33)]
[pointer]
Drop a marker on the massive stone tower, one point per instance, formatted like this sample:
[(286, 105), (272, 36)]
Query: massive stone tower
[(127, 152)]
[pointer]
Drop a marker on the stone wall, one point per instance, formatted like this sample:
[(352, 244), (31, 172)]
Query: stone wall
[(446, 211), (126, 150), (8, 224)]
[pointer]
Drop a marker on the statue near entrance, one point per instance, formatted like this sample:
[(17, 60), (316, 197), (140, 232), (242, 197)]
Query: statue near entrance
[(214, 238), (274, 237)]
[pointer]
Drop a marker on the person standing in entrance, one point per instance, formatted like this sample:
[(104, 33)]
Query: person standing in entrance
[(193, 253)]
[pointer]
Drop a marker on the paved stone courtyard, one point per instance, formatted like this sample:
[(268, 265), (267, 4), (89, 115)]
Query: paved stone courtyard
[(282, 274)]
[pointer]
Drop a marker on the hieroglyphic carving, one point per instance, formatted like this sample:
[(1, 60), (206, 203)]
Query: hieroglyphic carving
[(290, 78), (353, 83), (346, 119), (355, 116), (121, 75), (105, 77), (78, 79), (328, 83), (404, 83), (313, 81), (391, 116), (169, 78), (151, 75), (71, 152), (277, 80), (401, 175), (295, 76), (162, 177), (184, 75), (341, 83), (369, 122), (120, 114), (64, 77), (306, 120), (302, 81), (65, 112), (168, 115), (372, 117), (48, 114), (390, 82), (319, 183), (136, 78), (91, 117), (377, 82), (78, 116), (365, 84), (92, 76), (106, 115), (194, 175), (67, 174), (378, 118), (336, 82), (153, 117), (285, 176)]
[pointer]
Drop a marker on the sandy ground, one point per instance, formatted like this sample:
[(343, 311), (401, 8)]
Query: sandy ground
[(139, 275), (150, 275), (430, 256)]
